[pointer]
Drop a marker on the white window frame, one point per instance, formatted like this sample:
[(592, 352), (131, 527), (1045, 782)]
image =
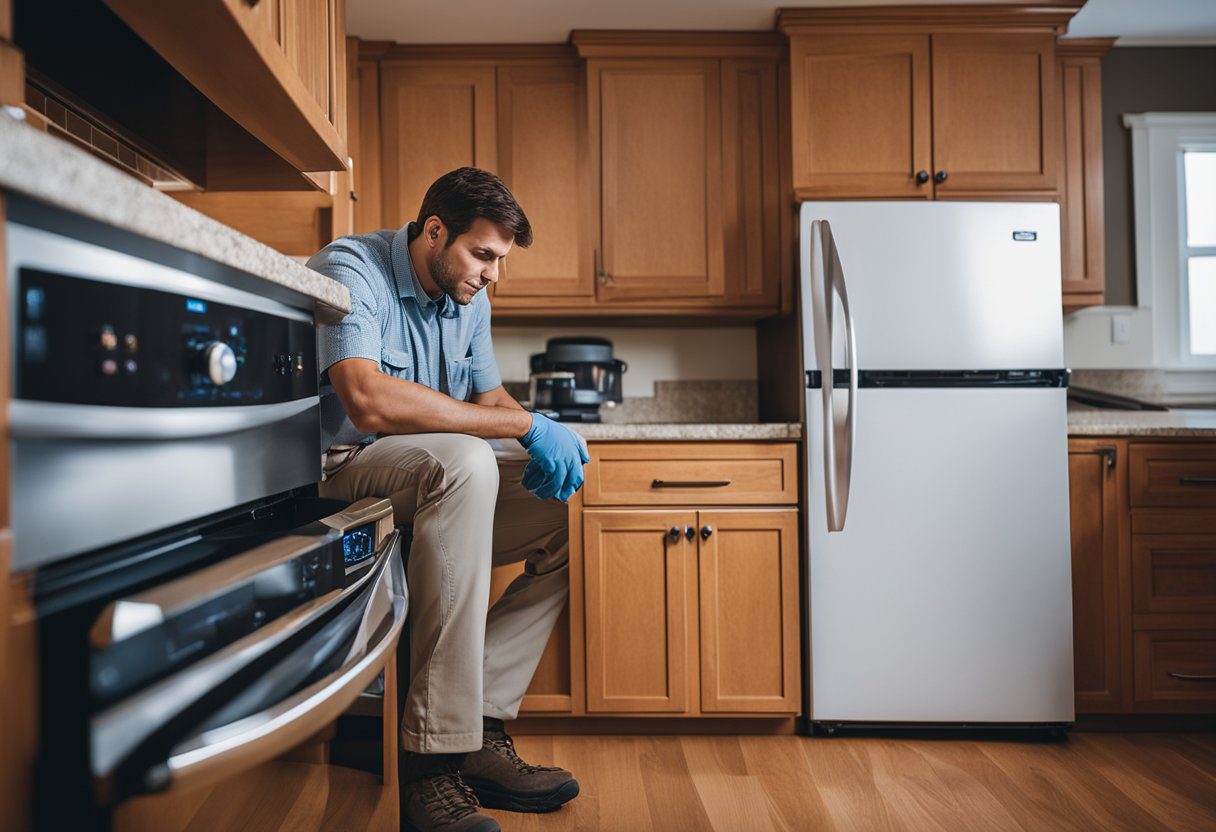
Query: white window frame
[(1158, 142)]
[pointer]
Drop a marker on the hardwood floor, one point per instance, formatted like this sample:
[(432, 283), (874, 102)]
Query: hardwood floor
[(1108, 781)]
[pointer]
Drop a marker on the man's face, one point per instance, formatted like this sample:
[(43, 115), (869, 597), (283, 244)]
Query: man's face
[(470, 262)]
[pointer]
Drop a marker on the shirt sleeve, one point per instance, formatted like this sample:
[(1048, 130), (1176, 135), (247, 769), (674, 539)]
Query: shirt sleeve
[(358, 334), (485, 368)]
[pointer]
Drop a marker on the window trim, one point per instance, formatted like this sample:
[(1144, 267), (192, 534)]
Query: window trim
[(1158, 142)]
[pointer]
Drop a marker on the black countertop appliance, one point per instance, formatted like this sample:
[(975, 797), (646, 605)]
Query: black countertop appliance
[(574, 376)]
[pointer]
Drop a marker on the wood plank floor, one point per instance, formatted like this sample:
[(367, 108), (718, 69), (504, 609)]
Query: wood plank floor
[(1135, 782)]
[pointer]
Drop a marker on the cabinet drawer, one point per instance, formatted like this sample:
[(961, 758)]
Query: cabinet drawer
[(1174, 573), (725, 473), (1176, 668), (1173, 521), (1181, 474)]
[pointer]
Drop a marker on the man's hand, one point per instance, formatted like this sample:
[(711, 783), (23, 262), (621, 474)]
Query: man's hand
[(558, 456)]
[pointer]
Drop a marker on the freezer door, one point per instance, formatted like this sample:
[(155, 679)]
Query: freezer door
[(947, 598), (948, 285)]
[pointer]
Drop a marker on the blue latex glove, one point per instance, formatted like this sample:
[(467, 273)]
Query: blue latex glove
[(558, 456)]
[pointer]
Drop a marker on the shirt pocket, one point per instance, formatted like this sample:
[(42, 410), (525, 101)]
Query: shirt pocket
[(397, 364), (460, 378)]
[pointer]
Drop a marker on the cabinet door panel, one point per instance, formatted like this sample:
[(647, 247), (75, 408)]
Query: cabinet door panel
[(640, 593), (659, 126), (1097, 628), (433, 120), (1081, 209), (306, 40), (749, 611), (861, 115), (540, 154), (994, 113)]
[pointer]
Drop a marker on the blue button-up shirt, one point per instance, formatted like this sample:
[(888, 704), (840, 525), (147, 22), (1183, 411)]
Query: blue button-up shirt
[(392, 321)]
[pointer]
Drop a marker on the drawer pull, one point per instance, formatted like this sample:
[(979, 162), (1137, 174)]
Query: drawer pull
[(1191, 677), (690, 484), (1197, 480)]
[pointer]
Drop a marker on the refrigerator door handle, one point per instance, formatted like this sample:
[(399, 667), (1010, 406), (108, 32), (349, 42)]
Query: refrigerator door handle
[(843, 469)]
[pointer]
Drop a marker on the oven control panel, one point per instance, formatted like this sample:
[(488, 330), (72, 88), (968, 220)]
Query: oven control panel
[(94, 342)]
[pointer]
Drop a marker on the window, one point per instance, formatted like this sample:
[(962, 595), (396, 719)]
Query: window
[(1198, 235), (1174, 183)]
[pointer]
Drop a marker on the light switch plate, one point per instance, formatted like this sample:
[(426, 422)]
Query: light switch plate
[(1120, 329)]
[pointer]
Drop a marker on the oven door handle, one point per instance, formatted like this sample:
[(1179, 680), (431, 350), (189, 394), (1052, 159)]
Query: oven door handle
[(57, 420), (226, 751)]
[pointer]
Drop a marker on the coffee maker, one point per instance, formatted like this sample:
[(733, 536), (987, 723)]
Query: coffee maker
[(574, 376)]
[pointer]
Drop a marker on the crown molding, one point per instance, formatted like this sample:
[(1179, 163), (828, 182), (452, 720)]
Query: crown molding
[(1083, 47), (1046, 16), (471, 52), (669, 44)]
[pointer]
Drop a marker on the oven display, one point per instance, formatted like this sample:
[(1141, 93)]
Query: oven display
[(359, 544)]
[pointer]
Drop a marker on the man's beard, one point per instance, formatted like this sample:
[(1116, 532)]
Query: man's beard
[(445, 276)]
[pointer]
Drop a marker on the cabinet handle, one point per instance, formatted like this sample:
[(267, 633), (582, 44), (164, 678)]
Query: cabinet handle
[(706, 531), (1109, 454), (690, 484), (940, 176), (689, 531), (1197, 480), (673, 534), (1191, 677), (598, 267), (922, 176)]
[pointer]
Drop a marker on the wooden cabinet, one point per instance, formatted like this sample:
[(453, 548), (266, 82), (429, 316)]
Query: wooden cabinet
[(1144, 595), (1082, 223), (1098, 573), (693, 609), (940, 103), (861, 116), (278, 70)]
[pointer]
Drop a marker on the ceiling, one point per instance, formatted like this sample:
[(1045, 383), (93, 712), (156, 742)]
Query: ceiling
[(550, 21)]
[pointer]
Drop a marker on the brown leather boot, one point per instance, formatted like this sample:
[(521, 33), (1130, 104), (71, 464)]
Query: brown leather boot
[(435, 799), (501, 780)]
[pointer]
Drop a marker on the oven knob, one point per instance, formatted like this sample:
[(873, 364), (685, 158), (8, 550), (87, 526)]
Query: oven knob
[(220, 362)]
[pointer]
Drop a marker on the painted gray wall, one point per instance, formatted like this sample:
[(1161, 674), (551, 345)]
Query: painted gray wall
[(1138, 79)]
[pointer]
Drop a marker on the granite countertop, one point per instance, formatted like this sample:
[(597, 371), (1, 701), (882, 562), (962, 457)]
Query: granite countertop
[(688, 432), (56, 172), (1088, 421)]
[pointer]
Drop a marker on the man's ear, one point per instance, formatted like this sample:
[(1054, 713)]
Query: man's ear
[(433, 229)]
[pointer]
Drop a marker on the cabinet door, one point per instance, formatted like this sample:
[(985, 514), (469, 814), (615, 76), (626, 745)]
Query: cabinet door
[(1097, 625), (1082, 244), (994, 113), (434, 119), (656, 125), (751, 181), (640, 587), (541, 157), (860, 116), (749, 611), (306, 40)]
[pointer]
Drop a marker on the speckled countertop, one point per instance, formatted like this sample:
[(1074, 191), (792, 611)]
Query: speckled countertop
[(55, 172), (1086, 421), (689, 433)]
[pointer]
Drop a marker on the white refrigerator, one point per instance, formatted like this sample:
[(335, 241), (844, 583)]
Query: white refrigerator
[(937, 465)]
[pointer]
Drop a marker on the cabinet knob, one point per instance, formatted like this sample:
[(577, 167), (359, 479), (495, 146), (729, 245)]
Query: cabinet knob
[(922, 176), (689, 531), (706, 531), (940, 176), (673, 534), (1108, 454)]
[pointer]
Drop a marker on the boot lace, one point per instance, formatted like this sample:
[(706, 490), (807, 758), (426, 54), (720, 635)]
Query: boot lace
[(505, 746), (448, 794)]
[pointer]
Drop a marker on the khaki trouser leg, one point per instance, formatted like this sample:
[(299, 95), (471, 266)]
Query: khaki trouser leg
[(448, 486)]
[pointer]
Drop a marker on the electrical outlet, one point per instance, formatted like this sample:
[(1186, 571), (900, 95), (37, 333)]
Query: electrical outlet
[(1120, 329)]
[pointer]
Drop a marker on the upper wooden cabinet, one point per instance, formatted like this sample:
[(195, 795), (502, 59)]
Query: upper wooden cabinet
[(861, 116), (276, 67), (932, 103)]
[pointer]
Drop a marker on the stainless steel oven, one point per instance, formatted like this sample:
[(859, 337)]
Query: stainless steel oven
[(199, 609)]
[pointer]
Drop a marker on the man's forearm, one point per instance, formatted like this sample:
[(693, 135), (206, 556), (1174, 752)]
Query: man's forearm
[(405, 407)]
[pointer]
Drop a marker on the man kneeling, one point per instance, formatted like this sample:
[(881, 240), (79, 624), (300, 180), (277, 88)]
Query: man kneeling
[(410, 394)]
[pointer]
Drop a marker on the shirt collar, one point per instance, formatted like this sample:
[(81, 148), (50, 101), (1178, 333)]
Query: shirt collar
[(407, 279)]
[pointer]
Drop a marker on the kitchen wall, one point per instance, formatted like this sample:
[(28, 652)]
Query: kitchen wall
[(662, 354)]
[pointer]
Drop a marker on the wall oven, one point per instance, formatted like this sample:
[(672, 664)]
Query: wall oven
[(199, 609)]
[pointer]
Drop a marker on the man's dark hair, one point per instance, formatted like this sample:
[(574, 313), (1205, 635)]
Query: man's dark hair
[(460, 197)]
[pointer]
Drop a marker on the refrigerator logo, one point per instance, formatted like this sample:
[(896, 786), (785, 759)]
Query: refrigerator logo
[(1025, 236)]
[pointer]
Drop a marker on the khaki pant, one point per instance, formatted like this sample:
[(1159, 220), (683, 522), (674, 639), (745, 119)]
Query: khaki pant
[(469, 511)]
